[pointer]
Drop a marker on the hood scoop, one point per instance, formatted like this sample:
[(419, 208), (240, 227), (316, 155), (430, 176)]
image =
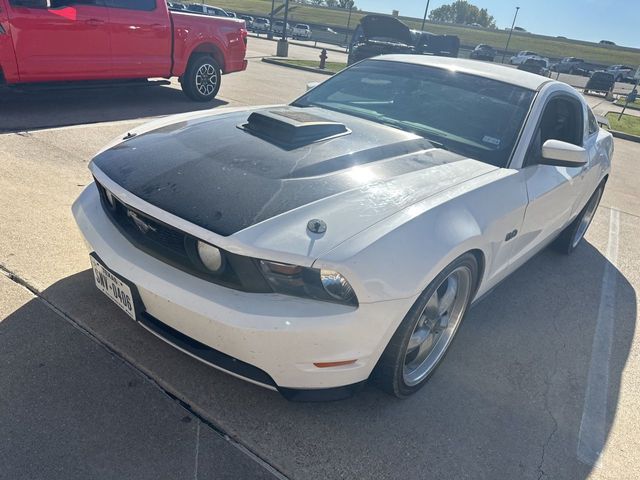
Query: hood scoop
[(292, 127)]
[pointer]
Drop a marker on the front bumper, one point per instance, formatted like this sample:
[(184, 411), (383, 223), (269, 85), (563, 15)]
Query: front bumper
[(278, 335)]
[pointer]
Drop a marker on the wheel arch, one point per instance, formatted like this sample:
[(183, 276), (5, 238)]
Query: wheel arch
[(208, 48)]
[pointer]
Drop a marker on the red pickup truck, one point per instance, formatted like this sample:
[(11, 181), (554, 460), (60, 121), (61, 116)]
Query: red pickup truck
[(77, 40)]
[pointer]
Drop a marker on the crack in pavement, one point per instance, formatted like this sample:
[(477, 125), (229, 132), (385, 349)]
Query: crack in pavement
[(548, 381), (277, 473)]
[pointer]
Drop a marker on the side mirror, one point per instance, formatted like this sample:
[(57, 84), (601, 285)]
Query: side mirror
[(563, 154), (311, 85)]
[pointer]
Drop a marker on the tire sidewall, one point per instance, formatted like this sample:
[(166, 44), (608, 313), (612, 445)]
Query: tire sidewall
[(394, 381), (189, 80)]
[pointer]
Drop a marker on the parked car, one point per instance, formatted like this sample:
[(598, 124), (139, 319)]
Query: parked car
[(377, 35), (535, 65), (426, 43), (261, 25), (248, 20), (153, 45), (571, 65), (621, 73), (301, 31), (600, 82), (384, 34), (521, 57), (312, 246), (207, 10), (278, 26), (483, 52)]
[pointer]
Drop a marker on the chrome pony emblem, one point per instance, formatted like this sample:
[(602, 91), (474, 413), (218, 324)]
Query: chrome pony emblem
[(140, 224)]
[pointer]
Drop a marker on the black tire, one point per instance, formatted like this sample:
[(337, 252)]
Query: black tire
[(573, 234), (201, 80), (389, 373)]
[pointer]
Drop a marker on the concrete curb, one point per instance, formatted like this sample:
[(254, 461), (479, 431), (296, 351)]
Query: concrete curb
[(297, 67), (625, 136), (293, 42)]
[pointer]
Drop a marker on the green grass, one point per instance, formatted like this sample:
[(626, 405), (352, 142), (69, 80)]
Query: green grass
[(469, 36), (628, 124), (622, 101), (333, 67)]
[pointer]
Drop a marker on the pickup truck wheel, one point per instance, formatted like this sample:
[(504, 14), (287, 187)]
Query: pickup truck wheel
[(571, 236), (201, 80), (426, 332)]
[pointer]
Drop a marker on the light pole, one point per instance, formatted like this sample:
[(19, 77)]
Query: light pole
[(510, 33), (286, 16), (270, 32), (424, 19), (346, 35), (282, 48)]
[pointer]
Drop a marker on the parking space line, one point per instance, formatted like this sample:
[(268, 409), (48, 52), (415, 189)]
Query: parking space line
[(593, 426)]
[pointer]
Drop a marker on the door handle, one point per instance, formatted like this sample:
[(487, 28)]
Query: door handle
[(95, 22)]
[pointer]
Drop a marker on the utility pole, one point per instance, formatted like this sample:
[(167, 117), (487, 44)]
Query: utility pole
[(510, 33), (424, 19)]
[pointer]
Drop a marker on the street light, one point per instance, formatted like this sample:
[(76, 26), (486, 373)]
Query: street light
[(346, 35), (424, 19), (510, 33)]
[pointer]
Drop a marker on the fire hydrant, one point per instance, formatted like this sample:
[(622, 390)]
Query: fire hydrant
[(323, 58)]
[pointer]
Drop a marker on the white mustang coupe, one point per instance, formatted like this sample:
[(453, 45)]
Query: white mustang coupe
[(312, 246)]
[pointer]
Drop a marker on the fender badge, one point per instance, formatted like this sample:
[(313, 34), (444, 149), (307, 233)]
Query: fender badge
[(316, 226)]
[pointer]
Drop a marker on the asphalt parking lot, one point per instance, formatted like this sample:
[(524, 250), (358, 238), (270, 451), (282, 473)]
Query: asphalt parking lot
[(543, 380)]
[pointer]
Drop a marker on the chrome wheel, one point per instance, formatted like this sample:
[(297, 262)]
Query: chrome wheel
[(206, 79), (436, 325), (586, 219)]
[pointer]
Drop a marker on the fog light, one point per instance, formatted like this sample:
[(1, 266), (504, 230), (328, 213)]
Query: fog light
[(210, 256), (336, 285)]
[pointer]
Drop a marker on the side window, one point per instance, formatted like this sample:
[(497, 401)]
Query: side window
[(561, 120), (145, 5), (29, 3), (68, 3), (593, 123)]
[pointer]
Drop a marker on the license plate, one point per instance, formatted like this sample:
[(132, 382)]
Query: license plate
[(113, 287)]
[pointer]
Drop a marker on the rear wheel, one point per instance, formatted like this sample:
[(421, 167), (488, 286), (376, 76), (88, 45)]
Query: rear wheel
[(571, 236), (201, 80), (424, 336)]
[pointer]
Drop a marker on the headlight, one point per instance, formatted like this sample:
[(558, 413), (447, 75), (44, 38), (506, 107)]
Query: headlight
[(325, 285), (210, 256)]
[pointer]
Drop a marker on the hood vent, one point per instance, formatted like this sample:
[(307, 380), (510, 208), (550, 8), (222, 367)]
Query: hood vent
[(291, 128)]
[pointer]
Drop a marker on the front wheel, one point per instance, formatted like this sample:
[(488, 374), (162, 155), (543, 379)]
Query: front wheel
[(571, 236), (425, 334), (201, 80)]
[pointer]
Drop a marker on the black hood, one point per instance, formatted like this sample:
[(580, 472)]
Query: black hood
[(229, 171), (384, 26)]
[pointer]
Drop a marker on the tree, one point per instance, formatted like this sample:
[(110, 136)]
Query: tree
[(317, 2), (462, 12), (331, 3)]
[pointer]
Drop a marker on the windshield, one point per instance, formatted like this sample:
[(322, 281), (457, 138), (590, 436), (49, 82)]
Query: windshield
[(474, 116)]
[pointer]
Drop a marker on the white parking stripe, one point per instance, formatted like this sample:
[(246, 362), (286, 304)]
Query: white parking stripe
[(593, 426)]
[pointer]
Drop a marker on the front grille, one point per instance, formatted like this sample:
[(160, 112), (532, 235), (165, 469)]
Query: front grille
[(179, 249)]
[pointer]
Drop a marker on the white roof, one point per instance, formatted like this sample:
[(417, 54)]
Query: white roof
[(493, 71)]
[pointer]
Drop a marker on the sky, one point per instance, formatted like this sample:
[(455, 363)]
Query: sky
[(590, 20)]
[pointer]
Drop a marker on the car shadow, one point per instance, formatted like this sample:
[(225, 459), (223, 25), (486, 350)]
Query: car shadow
[(32, 109), (506, 403)]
